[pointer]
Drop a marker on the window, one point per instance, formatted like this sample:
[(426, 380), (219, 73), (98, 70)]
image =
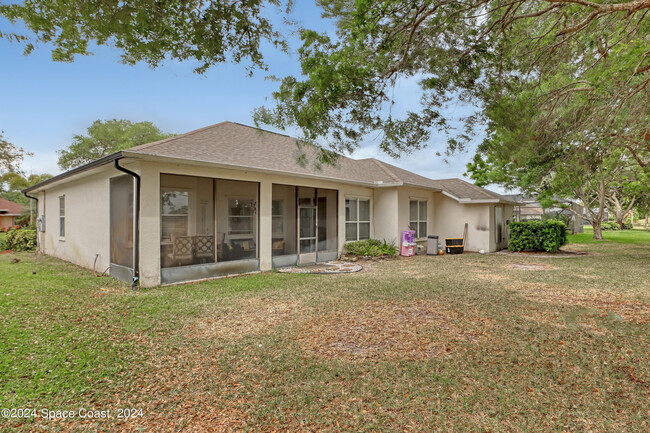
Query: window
[(62, 216), (240, 216), (418, 217), (357, 219), (277, 216), (175, 214)]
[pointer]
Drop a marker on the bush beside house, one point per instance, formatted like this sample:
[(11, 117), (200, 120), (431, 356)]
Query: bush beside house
[(546, 236), (19, 240), (370, 247)]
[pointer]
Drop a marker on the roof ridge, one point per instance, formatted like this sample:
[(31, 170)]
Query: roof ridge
[(185, 134), (386, 170)]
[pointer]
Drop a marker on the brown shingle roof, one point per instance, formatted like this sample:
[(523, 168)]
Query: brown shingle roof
[(462, 190), (244, 146), (10, 208)]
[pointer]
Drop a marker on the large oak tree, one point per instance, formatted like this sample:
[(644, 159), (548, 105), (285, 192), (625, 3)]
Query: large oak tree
[(106, 137), (467, 51), (206, 31)]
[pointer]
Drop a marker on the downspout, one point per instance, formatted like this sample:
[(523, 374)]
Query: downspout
[(33, 198), (136, 223), (30, 216)]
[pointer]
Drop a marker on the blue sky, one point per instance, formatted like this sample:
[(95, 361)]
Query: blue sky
[(45, 103)]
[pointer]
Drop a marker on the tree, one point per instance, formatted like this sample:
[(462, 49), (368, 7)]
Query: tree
[(462, 50), (12, 183), (206, 31), (10, 155), (106, 137), (624, 196)]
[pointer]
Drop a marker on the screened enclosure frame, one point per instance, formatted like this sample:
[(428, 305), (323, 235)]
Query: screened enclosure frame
[(320, 209), (207, 238)]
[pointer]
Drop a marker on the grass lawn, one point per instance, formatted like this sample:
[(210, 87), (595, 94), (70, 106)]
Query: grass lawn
[(636, 236), (497, 342)]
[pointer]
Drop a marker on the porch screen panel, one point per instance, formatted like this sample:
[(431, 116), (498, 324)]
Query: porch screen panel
[(283, 211), (186, 221), (121, 220), (237, 220), (307, 220), (327, 220)]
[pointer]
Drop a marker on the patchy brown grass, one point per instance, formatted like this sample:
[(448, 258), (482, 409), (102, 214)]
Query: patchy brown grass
[(594, 299), (248, 317), (529, 267), (427, 344), (389, 330)]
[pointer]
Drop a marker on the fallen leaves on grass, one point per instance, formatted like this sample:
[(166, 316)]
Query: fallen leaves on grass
[(390, 330), (629, 310), (529, 267), (255, 316)]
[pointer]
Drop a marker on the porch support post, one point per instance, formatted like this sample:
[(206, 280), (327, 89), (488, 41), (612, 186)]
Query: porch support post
[(266, 229), (341, 221), (149, 225)]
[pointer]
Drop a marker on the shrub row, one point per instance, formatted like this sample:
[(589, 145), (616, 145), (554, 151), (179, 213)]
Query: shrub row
[(371, 247), (19, 240), (609, 225), (546, 236)]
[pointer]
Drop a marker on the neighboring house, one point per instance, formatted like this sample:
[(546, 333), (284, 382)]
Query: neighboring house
[(9, 211), (230, 199), (528, 208)]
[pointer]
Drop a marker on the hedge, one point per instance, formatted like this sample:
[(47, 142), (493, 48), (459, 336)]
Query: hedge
[(546, 236), (20, 240)]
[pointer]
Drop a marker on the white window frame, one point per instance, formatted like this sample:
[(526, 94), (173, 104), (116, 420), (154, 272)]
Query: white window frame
[(62, 217), (419, 220), (253, 231), (189, 192), (278, 216), (369, 222)]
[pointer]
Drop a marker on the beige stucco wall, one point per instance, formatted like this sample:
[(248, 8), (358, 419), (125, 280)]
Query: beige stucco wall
[(86, 220), (405, 195), (451, 216), (385, 213)]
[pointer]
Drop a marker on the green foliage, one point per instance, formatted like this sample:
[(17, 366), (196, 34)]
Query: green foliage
[(371, 247), (547, 236), (608, 225), (20, 240), (207, 32), (3, 241), (12, 183), (10, 154), (106, 137), (613, 226), (559, 65), (23, 219)]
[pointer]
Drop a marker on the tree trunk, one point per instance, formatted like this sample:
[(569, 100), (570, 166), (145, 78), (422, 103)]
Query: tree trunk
[(646, 220), (621, 223), (598, 233)]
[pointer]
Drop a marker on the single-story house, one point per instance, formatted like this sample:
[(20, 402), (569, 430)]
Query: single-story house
[(9, 211), (231, 198)]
